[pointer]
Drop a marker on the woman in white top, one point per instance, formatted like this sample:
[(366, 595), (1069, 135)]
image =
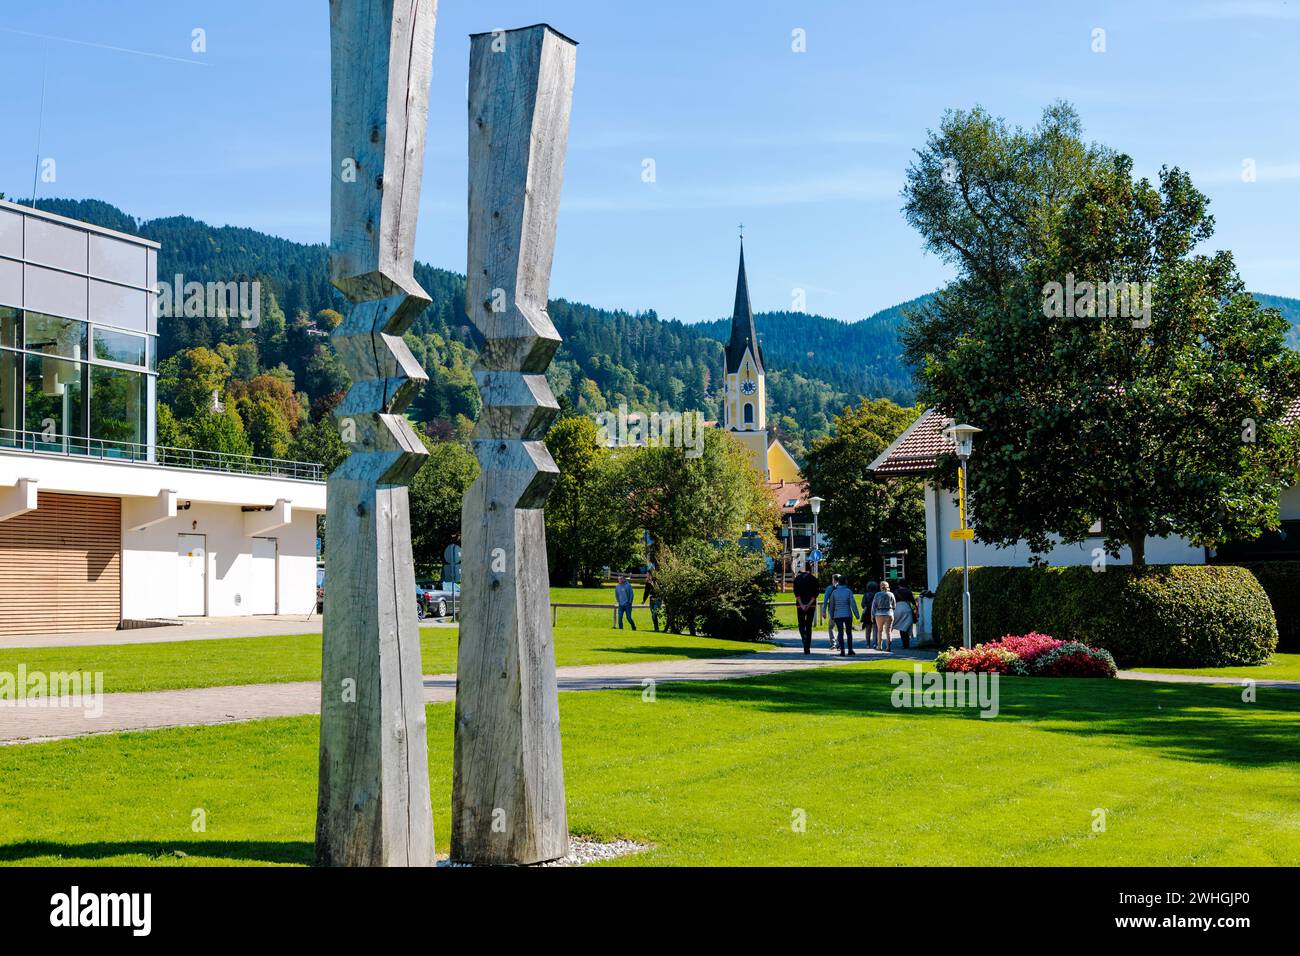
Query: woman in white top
[(882, 609)]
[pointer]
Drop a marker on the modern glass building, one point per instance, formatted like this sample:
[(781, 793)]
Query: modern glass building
[(99, 528), (78, 324)]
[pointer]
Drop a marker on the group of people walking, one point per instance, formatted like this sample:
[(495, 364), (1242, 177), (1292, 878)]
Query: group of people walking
[(883, 611)]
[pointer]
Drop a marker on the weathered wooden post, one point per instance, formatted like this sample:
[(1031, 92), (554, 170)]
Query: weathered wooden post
[(373, 802), (508, 793)]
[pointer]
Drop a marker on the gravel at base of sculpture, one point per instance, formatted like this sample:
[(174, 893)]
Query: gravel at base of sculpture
[(581, 852)]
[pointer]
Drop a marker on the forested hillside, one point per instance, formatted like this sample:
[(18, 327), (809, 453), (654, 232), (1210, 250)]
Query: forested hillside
[(608, 357), (815, 365)]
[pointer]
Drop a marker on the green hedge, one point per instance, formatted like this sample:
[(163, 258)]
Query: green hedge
[(1281, 582), (1159, 616)]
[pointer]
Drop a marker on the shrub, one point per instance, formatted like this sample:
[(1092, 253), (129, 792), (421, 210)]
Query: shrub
[(1161, 615), (723, 592), (1029, 655), (981, 657), (1281, 582), (1028, 647), (1072, 659)]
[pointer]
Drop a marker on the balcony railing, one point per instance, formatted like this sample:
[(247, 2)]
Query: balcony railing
[(76, 446)]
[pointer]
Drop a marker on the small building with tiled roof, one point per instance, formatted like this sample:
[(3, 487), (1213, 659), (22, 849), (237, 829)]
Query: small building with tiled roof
[(920, 451)]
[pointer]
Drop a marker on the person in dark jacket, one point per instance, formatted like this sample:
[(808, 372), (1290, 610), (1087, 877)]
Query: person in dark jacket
[(843, 608), (651, 594), (806, 589), (905, 613), (868, 622)]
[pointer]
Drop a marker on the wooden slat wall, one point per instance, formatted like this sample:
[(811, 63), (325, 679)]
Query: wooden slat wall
[(60, 566)]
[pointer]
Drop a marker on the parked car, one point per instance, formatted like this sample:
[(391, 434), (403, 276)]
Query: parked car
[(433, 599)]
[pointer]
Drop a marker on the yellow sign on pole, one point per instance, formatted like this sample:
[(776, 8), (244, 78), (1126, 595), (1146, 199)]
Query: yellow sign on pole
[(961, 495), (962, 534)]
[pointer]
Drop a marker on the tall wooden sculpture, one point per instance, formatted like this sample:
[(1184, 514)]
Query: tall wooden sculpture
[(373, 804), (508, 793)]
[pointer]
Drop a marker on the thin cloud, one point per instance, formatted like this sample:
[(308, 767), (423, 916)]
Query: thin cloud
[(852, 185), (1247, 10)]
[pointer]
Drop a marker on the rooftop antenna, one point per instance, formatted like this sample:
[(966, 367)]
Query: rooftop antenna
[(40, 121)]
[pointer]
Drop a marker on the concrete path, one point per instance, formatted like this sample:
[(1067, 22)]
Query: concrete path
[(1198, 679), (192, 629), (218, 705)]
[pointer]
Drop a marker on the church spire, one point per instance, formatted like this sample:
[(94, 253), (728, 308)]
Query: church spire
[(742, 323)]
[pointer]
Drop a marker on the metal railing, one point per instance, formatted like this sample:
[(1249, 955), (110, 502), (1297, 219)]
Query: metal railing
[(75, 446)]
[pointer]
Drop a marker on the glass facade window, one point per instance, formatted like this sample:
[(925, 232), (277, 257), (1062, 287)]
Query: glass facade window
[(54, 336), (11, 398), (11, 325), (56, 396), (53, 403), (123, 347), (119, 402)]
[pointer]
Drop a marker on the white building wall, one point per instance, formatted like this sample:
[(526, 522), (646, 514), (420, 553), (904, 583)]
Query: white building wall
[(150, 564), (1289, 504), (1171, 550)]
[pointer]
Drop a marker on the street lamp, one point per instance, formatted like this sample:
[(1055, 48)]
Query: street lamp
[(963, 437), (815, 504)]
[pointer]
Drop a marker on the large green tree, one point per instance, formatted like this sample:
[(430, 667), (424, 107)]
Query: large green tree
[(1160, 416), (866, 518), (587, 526), (436, 493), (677, 496)]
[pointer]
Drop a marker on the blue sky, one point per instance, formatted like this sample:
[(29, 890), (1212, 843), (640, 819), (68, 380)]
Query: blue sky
[(807, 149)]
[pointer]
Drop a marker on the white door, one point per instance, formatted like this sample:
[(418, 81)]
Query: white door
[(262, 588), (192, 575)]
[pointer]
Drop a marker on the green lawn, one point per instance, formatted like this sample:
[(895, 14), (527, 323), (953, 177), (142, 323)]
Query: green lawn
[(582, 636), (1281, 667), (715, 773), (274, 660)]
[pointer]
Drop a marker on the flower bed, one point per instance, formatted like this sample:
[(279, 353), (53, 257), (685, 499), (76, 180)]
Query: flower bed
[(1029, 655)]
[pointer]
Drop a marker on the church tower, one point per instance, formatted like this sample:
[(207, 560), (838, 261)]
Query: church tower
[(745, 387)]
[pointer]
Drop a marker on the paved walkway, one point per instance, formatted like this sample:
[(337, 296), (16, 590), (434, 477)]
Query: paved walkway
[(1198, 679), (192, 629), (218, 705)]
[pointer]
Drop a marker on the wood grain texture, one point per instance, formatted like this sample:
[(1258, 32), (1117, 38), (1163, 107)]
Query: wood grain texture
[(508, 802), (373, 806), (61, 566)]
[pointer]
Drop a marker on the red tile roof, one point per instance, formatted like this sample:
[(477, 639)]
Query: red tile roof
[(1292, 413), (783, 491), (917, 450)]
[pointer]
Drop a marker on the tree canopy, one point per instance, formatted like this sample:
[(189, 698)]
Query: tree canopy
[(1159, 415)]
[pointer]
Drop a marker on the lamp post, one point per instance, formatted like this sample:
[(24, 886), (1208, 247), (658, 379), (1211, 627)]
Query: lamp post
[(815, 504), (963, 436)]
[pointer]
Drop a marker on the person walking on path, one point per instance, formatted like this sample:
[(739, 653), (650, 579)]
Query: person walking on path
[(868, 622), (882, 610), (905, 613), (843, 607), (806, 589), (830, 621), (624, 595), (651, 594)]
